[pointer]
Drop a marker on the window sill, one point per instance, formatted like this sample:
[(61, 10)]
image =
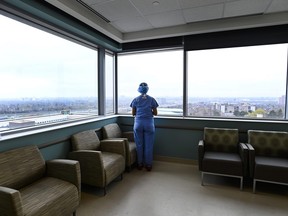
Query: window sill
[(20, 132)]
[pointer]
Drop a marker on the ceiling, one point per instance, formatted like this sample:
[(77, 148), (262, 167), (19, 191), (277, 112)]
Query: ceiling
[(135, 20)]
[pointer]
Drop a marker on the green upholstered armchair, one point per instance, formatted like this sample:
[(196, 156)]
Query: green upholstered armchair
[(101, 161), (30, 186), (221, 153), (268, 156), (113, 131)]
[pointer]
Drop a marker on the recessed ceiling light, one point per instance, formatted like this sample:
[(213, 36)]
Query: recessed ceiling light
[(155, 3)]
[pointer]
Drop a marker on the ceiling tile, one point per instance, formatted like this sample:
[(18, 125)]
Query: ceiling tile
[(277, 6), (117, 9), (185, 4), (203, 13), (165, 19), (147, 7), (92, 2), (132, 25), (136, 16), (245, 7)]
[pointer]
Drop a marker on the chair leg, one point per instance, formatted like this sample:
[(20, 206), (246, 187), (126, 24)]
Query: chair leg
[(74, 213), (202, 177), (128, 169), (241, 183), (254, 186), (104, 191)]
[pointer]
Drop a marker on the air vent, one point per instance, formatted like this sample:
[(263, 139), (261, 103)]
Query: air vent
[(93, 11)]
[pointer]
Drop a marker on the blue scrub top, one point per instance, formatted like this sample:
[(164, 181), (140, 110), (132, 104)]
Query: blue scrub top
[(144, 105)]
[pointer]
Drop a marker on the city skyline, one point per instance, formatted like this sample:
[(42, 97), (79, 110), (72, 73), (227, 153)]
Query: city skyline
[(29, 112)]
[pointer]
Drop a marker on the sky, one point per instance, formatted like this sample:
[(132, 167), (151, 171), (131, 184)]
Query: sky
[(162, 71), (255, 70), (38, 64)]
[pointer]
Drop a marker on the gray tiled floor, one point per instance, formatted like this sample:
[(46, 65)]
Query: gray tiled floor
[(173, 189)]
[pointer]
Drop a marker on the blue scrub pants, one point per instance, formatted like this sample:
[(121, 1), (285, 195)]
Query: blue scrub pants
[(144, 130)]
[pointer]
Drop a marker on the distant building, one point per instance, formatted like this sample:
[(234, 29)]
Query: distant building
[(259, 115), (21, 123), (217, 106), (252, 108), (223, 108), (230, 109), (65, 112), (281, 100), (246, 107)]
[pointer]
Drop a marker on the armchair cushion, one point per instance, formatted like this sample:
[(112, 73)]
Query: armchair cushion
[(271, 169), (269, 143), (221, 139), (66, 170), (85, 140), (112, 131), (222, 163), (21, 171), (56, 196)]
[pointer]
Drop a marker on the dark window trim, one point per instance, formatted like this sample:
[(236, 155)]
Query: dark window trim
[(237, 38)]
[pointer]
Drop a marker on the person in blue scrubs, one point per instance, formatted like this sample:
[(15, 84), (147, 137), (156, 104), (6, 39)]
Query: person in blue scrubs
[(144, 107)]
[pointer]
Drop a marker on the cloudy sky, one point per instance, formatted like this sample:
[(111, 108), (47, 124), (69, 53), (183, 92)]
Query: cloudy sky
[(37, 64)]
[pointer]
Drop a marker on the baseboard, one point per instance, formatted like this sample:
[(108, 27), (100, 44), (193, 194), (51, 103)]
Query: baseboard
[(175, 160)]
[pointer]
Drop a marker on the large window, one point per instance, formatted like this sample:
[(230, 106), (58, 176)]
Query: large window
[(162, 70), (245, 82), (44, 78)]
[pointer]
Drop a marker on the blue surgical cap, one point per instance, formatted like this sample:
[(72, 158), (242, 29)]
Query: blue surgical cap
[(143, 88)]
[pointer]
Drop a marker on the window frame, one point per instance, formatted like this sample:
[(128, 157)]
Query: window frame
[(112, 55)]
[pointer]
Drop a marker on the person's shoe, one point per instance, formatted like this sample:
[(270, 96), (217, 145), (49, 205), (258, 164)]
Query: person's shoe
[(140, 166), (148, 168)]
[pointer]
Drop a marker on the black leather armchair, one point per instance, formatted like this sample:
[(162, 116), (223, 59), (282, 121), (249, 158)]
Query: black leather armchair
[(221, 153), (268, 156)]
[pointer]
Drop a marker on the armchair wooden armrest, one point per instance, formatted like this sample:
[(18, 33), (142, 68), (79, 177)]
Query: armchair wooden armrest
[(11, 202), (67, 170)]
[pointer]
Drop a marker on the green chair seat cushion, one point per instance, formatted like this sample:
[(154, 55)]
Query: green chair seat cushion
[(41, 197)]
